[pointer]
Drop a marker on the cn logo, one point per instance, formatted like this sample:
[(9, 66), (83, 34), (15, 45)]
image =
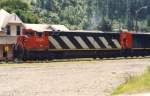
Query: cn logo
[(39, 39)]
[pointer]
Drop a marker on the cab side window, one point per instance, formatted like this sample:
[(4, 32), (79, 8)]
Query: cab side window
[(29, 34), (39, 34)]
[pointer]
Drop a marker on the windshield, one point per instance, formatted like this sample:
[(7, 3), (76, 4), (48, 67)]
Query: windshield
[(29, 34), (39, 34)]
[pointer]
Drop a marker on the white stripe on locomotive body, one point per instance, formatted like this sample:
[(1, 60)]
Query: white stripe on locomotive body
[(54, 42), (81, 42), (68, 42), (93, 42), (105, 42), (116, 42)]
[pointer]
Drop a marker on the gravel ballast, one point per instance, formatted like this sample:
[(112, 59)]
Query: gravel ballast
[(78, 78)]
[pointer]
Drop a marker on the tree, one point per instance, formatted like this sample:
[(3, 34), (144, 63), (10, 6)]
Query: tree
[(22, 9), (105, 25), (80, 14), (13, 5)]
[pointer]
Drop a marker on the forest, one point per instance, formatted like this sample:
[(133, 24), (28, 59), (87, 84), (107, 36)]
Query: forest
[(104, 15)]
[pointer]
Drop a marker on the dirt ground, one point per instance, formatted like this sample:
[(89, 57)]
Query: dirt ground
[(78, 78)]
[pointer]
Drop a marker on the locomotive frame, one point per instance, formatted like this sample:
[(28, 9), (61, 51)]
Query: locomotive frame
[(80, 44)]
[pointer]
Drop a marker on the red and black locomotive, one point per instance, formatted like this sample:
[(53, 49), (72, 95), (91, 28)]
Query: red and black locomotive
[(80, 44)]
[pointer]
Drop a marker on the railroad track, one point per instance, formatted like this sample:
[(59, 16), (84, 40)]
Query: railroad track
[(80, 59)]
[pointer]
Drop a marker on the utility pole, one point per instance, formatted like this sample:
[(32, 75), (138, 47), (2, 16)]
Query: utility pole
[(107, 9), (128, 15), (136, 16), (118, 16)]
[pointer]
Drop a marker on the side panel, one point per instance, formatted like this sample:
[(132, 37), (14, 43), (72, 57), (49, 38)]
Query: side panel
[(141, 40), (84, 40), (138, 40), (146, 41)]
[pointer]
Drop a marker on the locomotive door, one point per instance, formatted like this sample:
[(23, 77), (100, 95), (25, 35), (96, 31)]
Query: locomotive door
[(126, 40)]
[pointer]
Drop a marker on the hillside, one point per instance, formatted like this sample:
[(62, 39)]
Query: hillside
[(84, 14)]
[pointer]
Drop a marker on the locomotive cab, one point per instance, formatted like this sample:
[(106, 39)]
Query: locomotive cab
[(33, 40)]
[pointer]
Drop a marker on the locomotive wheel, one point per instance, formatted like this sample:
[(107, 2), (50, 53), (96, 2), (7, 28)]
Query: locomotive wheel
[(19, 53), (14, 51)]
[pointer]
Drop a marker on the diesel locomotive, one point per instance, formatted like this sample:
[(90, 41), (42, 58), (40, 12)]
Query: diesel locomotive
[(49, 45)]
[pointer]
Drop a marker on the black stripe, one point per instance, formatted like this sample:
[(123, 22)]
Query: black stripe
[(110, 42), (75, 43), (61, 42), (118, 38), (99, 42), (87, 42), (51, 46)]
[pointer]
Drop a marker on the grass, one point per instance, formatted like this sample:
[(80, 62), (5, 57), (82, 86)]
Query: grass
[(135, 84)]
